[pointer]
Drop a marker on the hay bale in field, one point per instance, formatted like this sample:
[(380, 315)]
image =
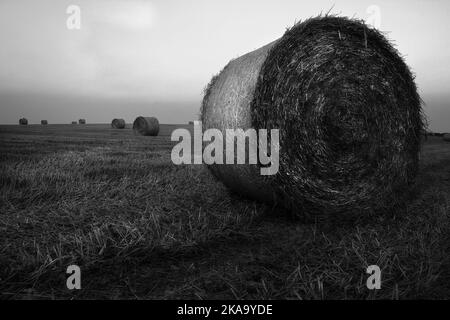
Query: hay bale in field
[(74, 122), (348, 113), (446, 137), (82, 121), (191, 122), (44, 122), (146, 126), (23, 121), (118, 124)]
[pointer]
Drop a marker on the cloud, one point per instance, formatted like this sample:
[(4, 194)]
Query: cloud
[(133, 15)]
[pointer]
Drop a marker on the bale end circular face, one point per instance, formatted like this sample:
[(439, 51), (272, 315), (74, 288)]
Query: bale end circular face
[(347, 110), (146, 126)]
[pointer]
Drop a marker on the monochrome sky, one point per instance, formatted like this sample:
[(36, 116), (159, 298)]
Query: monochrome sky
[(154, 57)]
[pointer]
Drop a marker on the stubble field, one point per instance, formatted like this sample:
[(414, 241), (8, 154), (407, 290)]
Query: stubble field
[(140, 227)]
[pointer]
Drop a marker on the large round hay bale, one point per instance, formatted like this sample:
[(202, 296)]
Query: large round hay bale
[(44, 122), (146, 126), (74, 122), (348, 113), (446, 137), (23, 121), (82, 121), (118, 124)]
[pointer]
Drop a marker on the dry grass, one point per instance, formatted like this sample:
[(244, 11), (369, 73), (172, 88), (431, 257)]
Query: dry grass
[(140, 227)]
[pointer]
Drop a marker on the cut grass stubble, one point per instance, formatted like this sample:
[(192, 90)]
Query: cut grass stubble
[(140, 227)]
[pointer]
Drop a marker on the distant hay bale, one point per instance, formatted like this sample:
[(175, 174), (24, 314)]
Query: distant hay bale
[(118, 124), (146, 126), (446, 137), (74, 122), (347, 110), (191, 122), (44, 122), (82, 121), (23, 121)]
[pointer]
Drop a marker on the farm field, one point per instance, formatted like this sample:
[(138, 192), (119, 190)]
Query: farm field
[(140, 227)]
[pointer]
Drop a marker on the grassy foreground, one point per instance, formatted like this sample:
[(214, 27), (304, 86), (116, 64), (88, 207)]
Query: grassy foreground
[(140, 227)]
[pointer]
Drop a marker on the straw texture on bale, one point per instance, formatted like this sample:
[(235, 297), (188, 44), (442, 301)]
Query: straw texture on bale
[(347, 110), (82, 121), (146, 126), (118, 124), (23, 121), (44, 122), (446, 137)]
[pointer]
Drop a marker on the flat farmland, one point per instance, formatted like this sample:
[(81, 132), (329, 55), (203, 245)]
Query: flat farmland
[(140, 227)]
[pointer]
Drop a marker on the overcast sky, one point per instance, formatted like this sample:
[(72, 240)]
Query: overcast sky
[(133, 57)]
